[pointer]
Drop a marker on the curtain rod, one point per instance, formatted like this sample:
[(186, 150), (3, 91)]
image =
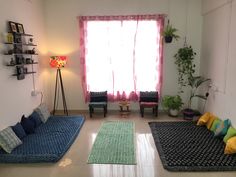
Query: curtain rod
[(164, 15)]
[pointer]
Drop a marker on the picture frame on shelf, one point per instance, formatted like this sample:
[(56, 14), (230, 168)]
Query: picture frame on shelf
[(19, 70), (17, 38), (8, 38), (19, 60), (20, 76), (18, 49), (20, 28), (12, 26), (25, 70)]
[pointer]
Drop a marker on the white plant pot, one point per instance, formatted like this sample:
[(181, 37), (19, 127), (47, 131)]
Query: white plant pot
[(174, 112)]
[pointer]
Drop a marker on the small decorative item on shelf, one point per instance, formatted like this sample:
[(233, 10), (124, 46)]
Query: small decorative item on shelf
[(20, 77), (8, 38), (33, 51), (28, 61), (20, 72), (18, 49), (9, 52), (30, 40), (27, 52), (19, 60), (12, 62), (17, 38), (25, 70), (20, 69)]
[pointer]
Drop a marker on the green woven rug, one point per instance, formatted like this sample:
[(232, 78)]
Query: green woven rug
[(114, 144)]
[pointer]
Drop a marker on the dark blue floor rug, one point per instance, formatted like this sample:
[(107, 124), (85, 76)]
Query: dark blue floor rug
[(49, 142), (183, 146)]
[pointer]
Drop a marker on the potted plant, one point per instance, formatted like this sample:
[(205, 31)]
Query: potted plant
[(173, 104), (186, 69), (194, 82), (185, 66), (169, 33)]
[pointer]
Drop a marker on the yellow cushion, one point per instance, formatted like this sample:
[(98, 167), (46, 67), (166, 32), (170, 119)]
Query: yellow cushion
[(230, 133), (230, 147), (204, 118), (210, 121)]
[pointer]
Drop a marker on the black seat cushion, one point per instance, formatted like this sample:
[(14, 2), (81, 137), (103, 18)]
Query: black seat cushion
[(149, 96), (98, 96)]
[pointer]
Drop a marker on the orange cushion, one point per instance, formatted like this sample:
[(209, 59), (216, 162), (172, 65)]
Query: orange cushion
[(204, 118)]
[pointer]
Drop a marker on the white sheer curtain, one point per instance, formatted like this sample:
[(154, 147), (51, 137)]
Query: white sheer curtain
[(123, 56)]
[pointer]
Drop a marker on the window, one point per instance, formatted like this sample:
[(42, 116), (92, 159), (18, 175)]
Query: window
[(121, 54)]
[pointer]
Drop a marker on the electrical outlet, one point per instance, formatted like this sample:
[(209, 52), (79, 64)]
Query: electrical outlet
[(35, 92)]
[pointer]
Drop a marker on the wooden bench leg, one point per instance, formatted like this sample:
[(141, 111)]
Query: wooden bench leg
[(141, 110), (105, 110), (90, 111), (156, 111)]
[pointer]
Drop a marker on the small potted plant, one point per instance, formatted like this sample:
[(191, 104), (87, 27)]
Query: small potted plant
[(169, 33), (173, 104), (194, 82)]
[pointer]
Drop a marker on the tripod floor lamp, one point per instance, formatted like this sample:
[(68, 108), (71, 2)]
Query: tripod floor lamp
[(59, 62)]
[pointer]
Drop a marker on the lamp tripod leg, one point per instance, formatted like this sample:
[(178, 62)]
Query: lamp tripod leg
[(63, 94), (55, 96)]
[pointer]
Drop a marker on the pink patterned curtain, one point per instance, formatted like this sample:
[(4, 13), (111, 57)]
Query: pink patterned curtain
[(121, 54)]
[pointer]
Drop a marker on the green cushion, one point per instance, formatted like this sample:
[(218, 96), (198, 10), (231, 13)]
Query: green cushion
[(230, 133), (222, 128), (216, 122)]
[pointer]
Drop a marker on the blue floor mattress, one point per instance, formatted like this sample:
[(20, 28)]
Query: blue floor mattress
[(49, 142)]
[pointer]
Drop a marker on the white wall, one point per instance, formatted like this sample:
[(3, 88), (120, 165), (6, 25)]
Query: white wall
[(15, 95), (218, 56), (63, 36)]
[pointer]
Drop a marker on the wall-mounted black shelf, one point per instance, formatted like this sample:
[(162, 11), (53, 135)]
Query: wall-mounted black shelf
[(23, 64), (21, 54), (21, 44), (24, 73), (29, 35)]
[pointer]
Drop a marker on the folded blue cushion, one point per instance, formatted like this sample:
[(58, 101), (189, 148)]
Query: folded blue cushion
[(28, 125), (19, 130), (35, 117)]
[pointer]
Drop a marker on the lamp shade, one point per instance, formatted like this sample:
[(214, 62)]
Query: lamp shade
[(58, 61)]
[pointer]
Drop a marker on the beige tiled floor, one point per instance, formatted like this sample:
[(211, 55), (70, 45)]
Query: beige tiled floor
[(73, 164)]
